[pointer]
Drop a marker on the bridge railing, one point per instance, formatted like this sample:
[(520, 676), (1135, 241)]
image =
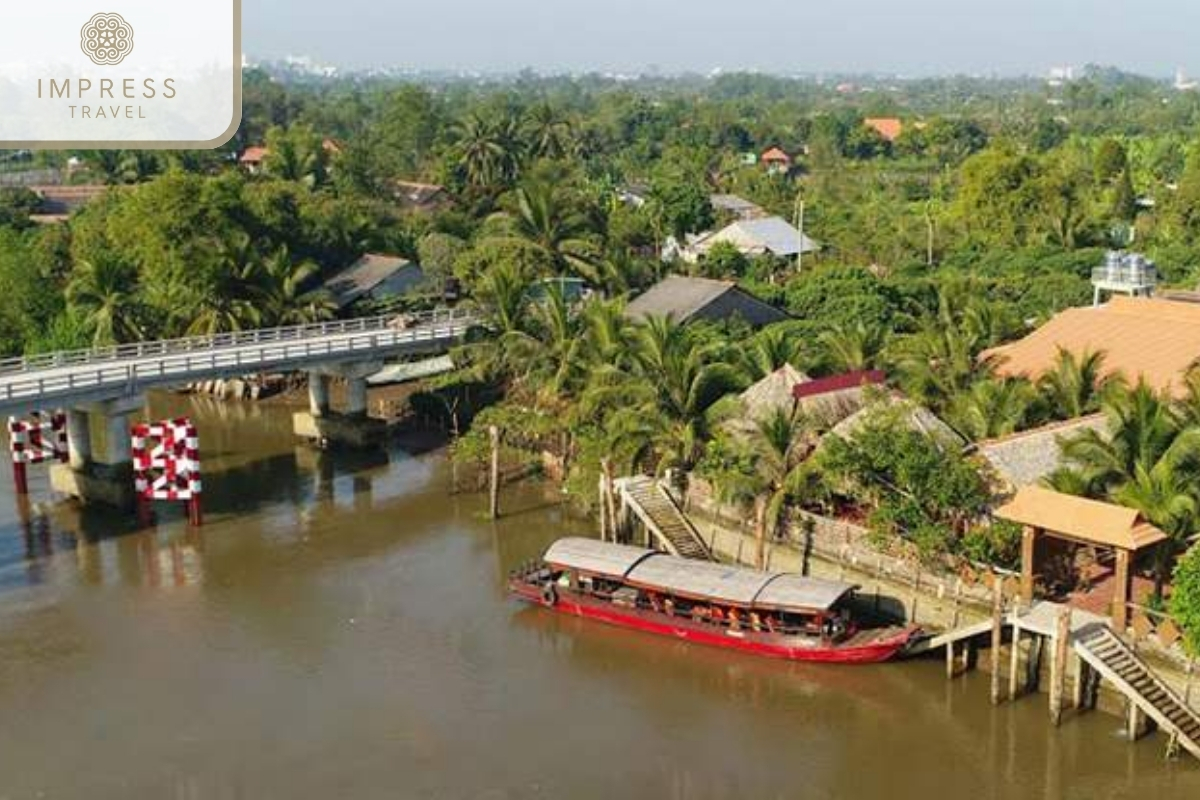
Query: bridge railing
[(195, 344)]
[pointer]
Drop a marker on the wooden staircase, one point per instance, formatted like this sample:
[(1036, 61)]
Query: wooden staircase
[(1104, 651), (663, 517)]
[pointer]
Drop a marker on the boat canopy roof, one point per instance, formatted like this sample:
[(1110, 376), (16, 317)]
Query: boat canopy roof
[(595, 557), (698, 580)]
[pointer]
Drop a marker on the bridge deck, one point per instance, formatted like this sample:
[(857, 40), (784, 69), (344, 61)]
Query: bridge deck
[(82, 376)]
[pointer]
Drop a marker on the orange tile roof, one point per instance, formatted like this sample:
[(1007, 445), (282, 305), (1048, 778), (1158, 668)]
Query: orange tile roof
[(775, 154), (1141, 338), (889, 128), (253, 155), (1081, 519)]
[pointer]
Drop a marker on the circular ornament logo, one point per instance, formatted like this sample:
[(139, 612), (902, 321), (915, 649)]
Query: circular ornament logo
[(106, 39)]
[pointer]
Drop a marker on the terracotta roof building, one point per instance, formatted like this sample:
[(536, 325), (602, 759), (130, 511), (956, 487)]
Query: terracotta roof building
[(889, 128), (685, 299), (1141, 338)]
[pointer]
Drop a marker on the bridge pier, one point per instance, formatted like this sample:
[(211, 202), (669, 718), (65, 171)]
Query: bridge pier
[(104, 475), (352, 427)]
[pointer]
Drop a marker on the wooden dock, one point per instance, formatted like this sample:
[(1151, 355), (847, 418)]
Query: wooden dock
[(662, 517), (1082, 646)]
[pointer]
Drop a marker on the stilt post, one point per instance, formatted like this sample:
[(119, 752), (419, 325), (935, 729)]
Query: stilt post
[(494, 505), (997, 639), (1014, 662), (1058, 665)]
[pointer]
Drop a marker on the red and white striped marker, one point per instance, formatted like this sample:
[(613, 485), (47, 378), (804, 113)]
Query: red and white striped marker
[(166, 464)]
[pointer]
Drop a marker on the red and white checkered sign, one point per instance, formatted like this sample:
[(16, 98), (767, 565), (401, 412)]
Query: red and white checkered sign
[(39, 438), (166, 460)]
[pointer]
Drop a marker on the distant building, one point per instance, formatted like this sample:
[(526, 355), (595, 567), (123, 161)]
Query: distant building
[(686, 299), (422, 197), (374, 277), (1149, 338), (58, 203), (776, 161), (889, 128), (736, 206), (1183, 83), (253, 157), (634, 194), (754, 237)]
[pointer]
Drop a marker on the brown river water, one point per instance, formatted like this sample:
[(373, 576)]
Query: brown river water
[(339, 628)]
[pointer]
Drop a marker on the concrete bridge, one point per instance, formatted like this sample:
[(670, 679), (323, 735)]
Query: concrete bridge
[(109, 384)]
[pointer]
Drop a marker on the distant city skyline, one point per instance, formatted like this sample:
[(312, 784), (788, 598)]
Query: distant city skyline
[(915, 38)]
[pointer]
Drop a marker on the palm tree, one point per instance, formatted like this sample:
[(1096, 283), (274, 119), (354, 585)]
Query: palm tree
[(105, 291), (487, 150), (1150, 460), (549, 133), (228, 301), (1076, 385), (542, 217), (782, 442), (993, 408), (282, 294), (939, 362), (770, 350), (850, 348)]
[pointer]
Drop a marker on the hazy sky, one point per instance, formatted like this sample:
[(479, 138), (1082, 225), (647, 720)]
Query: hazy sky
[(905, 36)]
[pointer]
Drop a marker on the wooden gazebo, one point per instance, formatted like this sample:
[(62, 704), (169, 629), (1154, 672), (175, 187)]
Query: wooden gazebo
[(1044, 513)]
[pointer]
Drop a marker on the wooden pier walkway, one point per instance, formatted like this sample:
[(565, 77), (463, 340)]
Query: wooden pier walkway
[(656, 509), (1097, 648)]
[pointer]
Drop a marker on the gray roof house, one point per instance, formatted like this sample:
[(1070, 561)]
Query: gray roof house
[(736, 206), (374, 277), (685, 299), (1026, 458), (754, 237)]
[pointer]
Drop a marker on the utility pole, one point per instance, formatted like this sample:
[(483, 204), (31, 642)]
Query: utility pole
[(800, 229)]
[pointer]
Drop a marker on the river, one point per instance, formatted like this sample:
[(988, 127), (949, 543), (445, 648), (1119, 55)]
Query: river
[(339, 628)]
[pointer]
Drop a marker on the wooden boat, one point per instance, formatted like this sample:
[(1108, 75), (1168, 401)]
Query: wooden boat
[(765, 613)]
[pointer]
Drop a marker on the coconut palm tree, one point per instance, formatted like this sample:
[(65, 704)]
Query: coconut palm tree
[(850, 348), (993, 407), (283, 298), (104, 290), (1166, 495), (769, 350), (1076, 385), (488, 151), (548, 132), (782, 442), (541, 216)]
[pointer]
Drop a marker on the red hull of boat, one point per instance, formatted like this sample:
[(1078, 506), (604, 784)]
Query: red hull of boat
[(870, 653)]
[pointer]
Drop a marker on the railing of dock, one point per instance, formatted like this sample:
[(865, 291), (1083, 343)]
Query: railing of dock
[(62, 373)]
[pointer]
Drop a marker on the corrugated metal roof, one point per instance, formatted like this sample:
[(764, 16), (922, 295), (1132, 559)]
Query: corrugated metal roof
[(596, 557), (700, 579), (798, 593), (373, 269), (684, 577), (773, 235), (678, 296)]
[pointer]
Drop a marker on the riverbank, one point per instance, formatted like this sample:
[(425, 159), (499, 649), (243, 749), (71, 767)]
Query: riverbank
[(901, 592)]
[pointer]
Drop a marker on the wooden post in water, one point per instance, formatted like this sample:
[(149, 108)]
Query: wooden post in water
[(494, 506), (1014, 662), (997, 639), (603, 499), (1058, 665), (950, 668)]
